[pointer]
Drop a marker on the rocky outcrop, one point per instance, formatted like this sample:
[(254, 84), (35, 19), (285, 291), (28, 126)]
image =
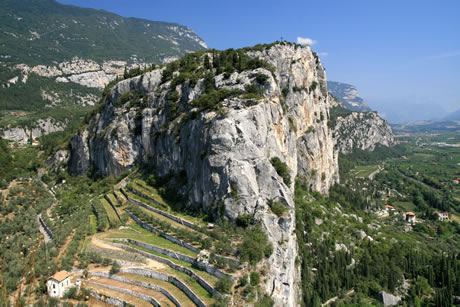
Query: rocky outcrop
[(348, 95), (388, 299), (25, 134), (215, 153), (362, 130)]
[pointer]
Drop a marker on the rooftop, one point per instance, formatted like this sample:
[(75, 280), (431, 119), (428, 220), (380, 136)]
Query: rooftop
[(60, 276), (410, 213)]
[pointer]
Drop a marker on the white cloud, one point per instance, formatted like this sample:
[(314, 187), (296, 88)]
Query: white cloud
[(323, 54), (305, 41)]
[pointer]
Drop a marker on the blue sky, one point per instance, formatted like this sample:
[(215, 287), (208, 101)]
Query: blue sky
[(403, 56)]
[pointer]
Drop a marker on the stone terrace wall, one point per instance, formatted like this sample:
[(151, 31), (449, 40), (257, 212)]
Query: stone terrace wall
[(163, 234), (138, 283), (174, 266), (136, 294), (179, 284)]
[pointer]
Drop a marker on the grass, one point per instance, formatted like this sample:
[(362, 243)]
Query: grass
[(208, 277), (150, 238), (121, 198), (405, 205), (113, 218), (93, 223), (151, 192), (114, 200), (166, 219), (364, 170), (455, 217)]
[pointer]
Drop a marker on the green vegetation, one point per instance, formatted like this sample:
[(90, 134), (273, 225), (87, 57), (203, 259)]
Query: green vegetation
[(380, 265), (255, 246), (133, 35), (282, 169), (224, 285), (277, 207)]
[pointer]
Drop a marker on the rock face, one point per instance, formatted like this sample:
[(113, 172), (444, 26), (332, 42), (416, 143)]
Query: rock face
[(24, 134), (362, 130), (388, 299), (216, 152), (348, 94)]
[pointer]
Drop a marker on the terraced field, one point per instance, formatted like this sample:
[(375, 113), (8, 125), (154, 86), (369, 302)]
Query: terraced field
[(158, 264), (111, 214)]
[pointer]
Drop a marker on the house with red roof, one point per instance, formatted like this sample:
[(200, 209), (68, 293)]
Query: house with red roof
[(58, 284)]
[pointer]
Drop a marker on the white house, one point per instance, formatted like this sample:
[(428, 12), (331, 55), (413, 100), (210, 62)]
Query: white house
[(58, 284), (410, 217), (442, 216)]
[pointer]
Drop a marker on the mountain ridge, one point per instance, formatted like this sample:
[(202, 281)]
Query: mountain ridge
[(348, 95), (56, 59)]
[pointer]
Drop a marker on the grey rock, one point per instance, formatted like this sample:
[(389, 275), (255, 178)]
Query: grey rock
[(388, 299), (362, 130), (215, 153)]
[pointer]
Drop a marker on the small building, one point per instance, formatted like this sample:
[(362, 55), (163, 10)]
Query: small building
[(410, 217), (442, 216), (455, 181), (58, 284), (389, 208)]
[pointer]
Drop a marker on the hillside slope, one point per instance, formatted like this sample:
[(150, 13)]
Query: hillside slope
[(56, 59)]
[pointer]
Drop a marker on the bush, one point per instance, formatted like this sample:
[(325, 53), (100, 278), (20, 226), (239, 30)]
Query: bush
[(225, 284), (115, 268), (255, 245), (261, 78), (245, 220), (277, 207), (282, 169), (243, 280), (71, 293), (255, 278)]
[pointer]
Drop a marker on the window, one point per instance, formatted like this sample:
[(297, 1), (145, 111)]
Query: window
[(54, 286)]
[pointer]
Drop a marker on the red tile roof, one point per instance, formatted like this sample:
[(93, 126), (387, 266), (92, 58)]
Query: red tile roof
[(410, 213), (60, 276)]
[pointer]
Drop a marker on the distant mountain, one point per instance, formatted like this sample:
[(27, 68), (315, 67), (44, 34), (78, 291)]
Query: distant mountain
[(45, 32), (453, 116), (55, 59), (348, 94)]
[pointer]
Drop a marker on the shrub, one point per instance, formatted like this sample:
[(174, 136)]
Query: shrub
[(277, 207), (115, 268), (245, 220), (255, 245), (282, 169), (313, 86), (243, 280), (234, 191), (261, 78), (255, 278), (225, 284)]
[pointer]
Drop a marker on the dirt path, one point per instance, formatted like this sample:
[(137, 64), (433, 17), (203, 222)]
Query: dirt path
[(331, 300)]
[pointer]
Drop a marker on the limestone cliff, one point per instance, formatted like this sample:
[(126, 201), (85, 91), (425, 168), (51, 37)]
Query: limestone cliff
[(362, 130), (228, 147)]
